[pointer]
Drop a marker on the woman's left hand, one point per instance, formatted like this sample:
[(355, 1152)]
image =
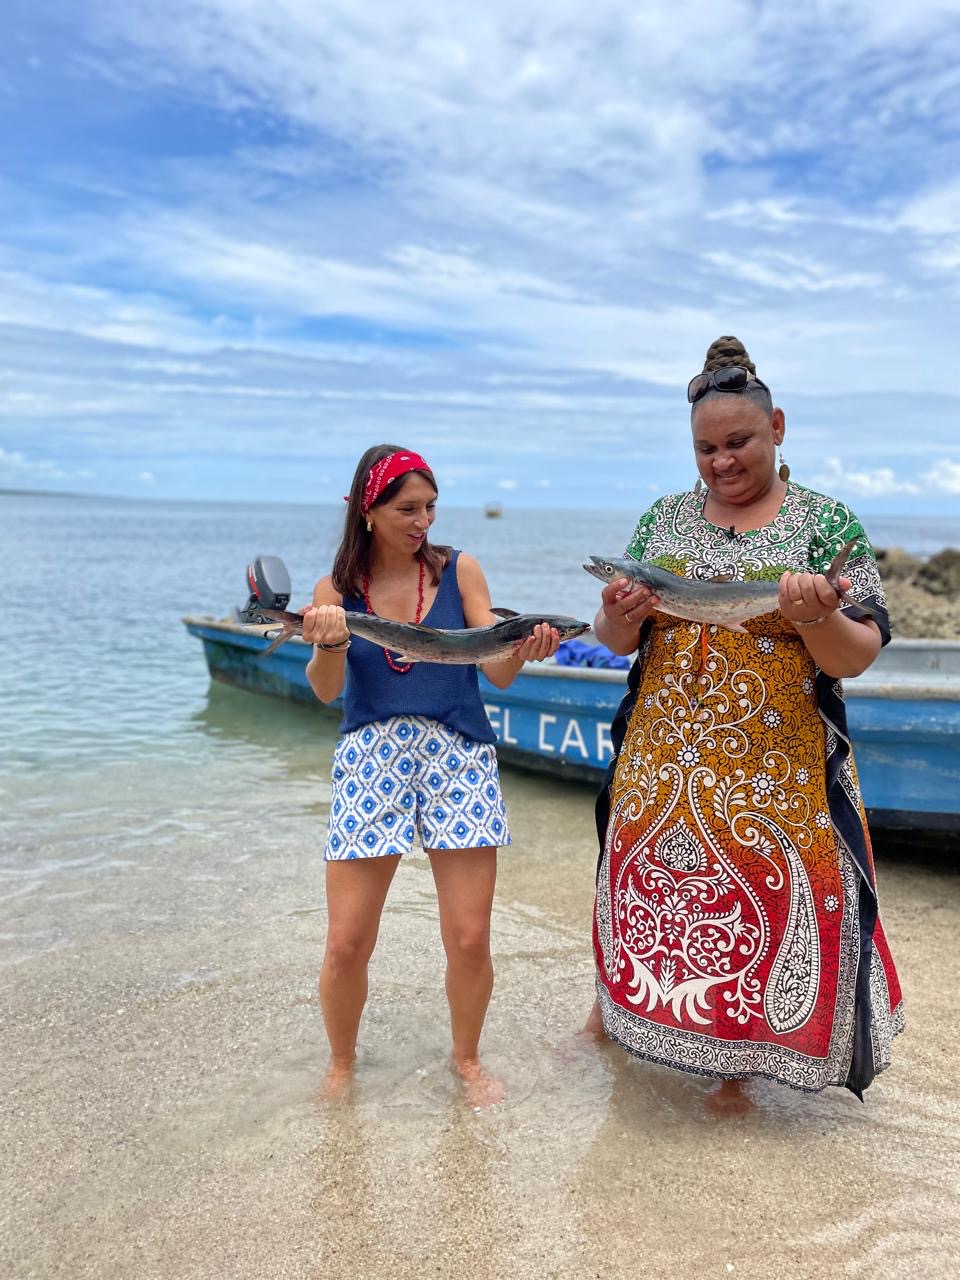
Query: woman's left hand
[(805, 597), (542, 644)]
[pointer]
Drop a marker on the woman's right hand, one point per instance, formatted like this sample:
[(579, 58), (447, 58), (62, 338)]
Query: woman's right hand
[(324, 624), (625, 608)]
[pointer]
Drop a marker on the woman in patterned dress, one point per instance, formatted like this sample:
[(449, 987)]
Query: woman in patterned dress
[(736, 931)]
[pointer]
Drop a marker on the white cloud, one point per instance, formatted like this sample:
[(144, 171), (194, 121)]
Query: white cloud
[(146, 477), (943, 477), (791, 273), (506, 484), (934, 218), (880, 482), (934, 213), (55, 304), (751, 213), (14, 466), (777, 214)]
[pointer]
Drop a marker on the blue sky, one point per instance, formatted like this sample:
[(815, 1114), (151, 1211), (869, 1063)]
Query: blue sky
[(244, 240)]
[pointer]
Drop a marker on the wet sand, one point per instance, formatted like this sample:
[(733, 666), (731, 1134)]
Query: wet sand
[(161, 1041)]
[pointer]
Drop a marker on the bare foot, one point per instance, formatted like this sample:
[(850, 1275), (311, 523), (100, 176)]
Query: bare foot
[(480, 1087), (336, 1082), (728, 1099)]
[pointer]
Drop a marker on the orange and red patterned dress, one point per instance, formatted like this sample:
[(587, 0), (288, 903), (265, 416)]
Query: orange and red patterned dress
[(736, 930)]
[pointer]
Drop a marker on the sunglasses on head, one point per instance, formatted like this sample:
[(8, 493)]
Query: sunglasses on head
[(733, 378)]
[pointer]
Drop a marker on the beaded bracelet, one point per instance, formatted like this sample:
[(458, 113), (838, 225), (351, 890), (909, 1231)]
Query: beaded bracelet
[(342, 647)]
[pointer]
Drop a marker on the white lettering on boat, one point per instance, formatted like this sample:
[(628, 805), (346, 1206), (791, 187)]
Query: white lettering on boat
[(512, 742), (542, 743), (573, 737)]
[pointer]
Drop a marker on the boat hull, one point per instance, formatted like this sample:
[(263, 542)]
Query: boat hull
[(904, 721)]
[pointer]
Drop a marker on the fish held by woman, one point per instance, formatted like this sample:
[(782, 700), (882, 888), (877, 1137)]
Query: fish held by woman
[(414, 642), (717, 600)]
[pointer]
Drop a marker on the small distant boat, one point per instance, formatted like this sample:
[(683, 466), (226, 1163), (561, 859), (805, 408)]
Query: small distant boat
[(493, 510), (903, 716)]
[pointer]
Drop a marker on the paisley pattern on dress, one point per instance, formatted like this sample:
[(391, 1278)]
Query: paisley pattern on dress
[(729, 916)]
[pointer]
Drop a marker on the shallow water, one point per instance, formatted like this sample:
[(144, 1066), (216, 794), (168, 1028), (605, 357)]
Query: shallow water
[(158, 964), (161, 924)]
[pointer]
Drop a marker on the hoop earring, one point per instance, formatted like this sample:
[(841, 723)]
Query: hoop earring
[(783, 471)]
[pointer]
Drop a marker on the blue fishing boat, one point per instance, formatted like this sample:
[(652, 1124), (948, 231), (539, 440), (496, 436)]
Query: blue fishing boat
[(903, 715)]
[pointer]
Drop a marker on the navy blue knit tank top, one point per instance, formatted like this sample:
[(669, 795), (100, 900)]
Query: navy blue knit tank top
[(448, 694)]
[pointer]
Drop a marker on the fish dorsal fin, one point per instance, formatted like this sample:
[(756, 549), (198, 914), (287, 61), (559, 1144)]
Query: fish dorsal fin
[(505, 613), (722, 577)]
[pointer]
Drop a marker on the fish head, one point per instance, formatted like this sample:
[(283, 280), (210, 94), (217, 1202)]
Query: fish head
[(607, 570), (569, 628), (566, 628)]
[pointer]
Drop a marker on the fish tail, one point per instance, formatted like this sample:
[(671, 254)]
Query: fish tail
[(857, 604), (832, 575), (286, 634)]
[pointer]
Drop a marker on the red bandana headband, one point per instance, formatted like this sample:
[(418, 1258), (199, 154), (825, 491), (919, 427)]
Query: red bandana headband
[(385, 472)]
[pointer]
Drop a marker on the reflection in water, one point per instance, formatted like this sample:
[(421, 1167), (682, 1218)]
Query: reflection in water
[(270, 724), (380, 1214), (803, 1186), (346, 1199), (470, 1224), (286, 740)]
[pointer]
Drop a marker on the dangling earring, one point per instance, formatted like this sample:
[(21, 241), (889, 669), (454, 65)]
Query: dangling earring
[(783, 471), (698, 487), (369, 527)]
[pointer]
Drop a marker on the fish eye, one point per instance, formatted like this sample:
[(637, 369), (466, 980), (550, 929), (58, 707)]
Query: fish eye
[(608, 569)]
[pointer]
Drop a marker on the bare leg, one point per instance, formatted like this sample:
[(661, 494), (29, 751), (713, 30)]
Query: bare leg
[(729, 1098), (593, 1027), (465, 880), (356, 891)]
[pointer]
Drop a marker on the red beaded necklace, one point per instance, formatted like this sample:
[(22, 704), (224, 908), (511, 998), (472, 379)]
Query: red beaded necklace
[(395, 666)]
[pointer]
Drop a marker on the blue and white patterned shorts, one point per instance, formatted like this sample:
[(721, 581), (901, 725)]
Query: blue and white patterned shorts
[(406, 774)]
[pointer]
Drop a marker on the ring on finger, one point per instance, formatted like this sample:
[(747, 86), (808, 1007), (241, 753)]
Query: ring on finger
[(627, 615)]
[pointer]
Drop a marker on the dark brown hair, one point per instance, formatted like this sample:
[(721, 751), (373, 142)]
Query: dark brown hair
[(352, 561), (728, 351)]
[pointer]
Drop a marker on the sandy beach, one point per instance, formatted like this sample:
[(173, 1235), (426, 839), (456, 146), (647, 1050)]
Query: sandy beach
[(162, 1040)]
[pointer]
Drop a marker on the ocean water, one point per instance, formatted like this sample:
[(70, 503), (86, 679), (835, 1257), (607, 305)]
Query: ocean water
[(161, 925), (96, 663)]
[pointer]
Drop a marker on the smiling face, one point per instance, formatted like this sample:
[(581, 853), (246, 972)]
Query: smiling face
[(401, 522), (735, 442)]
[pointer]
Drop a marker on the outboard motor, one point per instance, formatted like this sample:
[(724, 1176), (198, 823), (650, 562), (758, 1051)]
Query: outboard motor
[(269, 584)]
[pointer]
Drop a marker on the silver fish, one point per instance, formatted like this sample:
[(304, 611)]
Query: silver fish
[(718, 600), (413, 642)]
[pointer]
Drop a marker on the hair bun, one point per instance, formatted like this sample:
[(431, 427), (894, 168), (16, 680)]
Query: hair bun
[(725, 352)]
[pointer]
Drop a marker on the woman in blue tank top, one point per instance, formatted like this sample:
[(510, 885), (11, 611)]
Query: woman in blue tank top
[(415, 756)]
